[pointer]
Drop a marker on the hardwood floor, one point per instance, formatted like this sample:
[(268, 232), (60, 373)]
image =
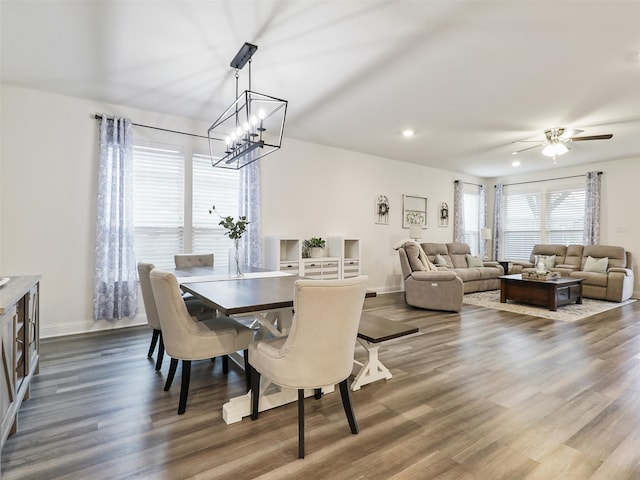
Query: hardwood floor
[(482, 394)]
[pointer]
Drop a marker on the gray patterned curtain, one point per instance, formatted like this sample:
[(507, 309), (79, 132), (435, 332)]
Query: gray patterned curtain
[(115, 285), (458, 212), (482, 214), (592, 209), (250, 206), (497, 222)]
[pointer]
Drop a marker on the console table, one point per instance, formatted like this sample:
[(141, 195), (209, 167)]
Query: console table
[(20, 345)]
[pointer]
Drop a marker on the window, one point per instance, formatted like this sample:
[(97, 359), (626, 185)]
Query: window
[(172, 197), (547, 212), (471, 198), (219, 187), (158, 203)]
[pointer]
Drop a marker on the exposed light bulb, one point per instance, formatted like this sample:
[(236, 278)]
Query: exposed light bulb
[(408, 133)]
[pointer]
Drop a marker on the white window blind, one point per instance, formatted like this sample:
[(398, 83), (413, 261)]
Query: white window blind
[(565, 215), (547, 212), (219, 187), (521, 223), (471, 201), (158, 203)]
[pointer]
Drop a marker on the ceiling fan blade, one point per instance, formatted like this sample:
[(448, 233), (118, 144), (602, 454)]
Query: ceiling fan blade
[(592, 137), (570, 132), (528, 148)]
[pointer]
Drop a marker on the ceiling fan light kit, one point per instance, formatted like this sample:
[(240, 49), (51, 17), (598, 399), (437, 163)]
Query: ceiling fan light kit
[(557, 139)]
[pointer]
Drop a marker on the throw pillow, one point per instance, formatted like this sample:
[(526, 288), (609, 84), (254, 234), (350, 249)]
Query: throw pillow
[(550, 262), (440, 261), (474, 261), (596, 265)]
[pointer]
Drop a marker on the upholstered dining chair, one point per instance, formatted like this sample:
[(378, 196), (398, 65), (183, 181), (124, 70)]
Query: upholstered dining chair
[(318, 351), (187, 338), (144, 269), (186, 260)]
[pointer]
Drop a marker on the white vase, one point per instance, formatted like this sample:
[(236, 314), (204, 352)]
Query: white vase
[(316, 252), (236, 261)]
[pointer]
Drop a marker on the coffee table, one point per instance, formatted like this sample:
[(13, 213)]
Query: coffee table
[(547, 293)]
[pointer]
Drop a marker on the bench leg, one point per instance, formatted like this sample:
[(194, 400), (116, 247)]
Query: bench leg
[(372, 370)]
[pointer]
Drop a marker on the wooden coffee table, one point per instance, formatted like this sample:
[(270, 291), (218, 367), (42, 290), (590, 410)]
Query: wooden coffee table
[(547, 293)]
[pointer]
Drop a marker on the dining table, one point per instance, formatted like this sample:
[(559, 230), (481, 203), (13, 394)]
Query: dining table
[(265, 299)]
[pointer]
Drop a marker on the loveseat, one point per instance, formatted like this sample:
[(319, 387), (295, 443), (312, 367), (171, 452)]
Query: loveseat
[(606, 270), (476, 275)]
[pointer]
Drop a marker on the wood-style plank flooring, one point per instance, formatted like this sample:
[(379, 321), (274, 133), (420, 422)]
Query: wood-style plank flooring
[(482, 394)]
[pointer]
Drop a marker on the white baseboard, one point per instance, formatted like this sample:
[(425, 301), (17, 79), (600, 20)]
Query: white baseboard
[(88, 326)]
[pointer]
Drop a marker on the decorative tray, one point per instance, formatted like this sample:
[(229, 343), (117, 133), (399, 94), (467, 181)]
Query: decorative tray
[(3, 281), (541, 276)]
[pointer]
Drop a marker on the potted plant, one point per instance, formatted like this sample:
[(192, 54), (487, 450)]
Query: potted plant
[(314, 247)]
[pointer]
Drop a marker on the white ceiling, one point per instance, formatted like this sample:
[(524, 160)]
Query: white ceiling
[(471, 77)]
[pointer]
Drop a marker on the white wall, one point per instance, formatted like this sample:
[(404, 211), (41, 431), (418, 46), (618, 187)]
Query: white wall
[(48, 182)]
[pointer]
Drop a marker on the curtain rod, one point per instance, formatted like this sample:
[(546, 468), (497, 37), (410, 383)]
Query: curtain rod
[(468, 183), (99, 117), (547, 180)]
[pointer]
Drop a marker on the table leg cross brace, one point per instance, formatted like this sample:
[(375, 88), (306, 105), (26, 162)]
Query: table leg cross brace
[(373, 369)]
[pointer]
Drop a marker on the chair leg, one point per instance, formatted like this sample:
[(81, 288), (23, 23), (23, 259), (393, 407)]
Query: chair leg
[(247, 370), (172, 372), (317, 393), (348, 409), (184, 388), (300, 423), (154, 340), (160, 353), (255, 392), (225, 364)]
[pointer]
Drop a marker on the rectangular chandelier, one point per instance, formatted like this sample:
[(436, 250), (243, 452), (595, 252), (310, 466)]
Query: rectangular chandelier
[(251, 127)]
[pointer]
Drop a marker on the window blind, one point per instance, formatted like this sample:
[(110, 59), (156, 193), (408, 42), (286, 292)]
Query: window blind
[(158, 176), (219, 187)]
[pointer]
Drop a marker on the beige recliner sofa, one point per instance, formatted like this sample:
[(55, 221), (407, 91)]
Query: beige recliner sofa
[(454, 257), (615, 283), (426, 287)]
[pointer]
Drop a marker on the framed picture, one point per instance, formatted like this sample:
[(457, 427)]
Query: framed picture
[(414, 211), (443, 214), (382, 210)]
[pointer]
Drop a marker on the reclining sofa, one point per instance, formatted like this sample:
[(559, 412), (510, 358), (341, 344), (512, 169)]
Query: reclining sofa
[(606, 270)]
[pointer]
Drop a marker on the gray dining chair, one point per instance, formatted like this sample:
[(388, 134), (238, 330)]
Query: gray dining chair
[(187, 338), (190, 260), (144, 269), (186, 260), (318, 351)]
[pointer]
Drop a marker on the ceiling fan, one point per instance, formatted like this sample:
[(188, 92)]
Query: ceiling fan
[(558, 138)]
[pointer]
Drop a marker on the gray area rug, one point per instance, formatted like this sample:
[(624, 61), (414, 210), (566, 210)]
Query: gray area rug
[(567, 313)]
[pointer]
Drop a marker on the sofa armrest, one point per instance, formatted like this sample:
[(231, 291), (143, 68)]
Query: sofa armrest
[(490, 263), (626, 271), (432, 276), (523, 264)]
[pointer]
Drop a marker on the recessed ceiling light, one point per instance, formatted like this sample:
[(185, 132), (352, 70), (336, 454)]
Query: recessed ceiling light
[(516, 163), (408, 133)]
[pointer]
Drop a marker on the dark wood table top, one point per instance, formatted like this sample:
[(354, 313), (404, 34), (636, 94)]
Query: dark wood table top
[(376, 329), (233, 296), (517, 277), (244, 295)]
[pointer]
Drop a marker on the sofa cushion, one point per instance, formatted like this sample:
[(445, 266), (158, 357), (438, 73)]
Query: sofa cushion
[(418, 260), (474, 261), (591, 278), (458, 253), (596, 265), (616, 255)]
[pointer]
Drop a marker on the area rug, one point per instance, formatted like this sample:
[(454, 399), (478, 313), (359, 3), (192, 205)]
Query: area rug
[(567, 313)]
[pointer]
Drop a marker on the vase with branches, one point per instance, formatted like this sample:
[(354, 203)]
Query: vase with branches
[(234, 230)]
